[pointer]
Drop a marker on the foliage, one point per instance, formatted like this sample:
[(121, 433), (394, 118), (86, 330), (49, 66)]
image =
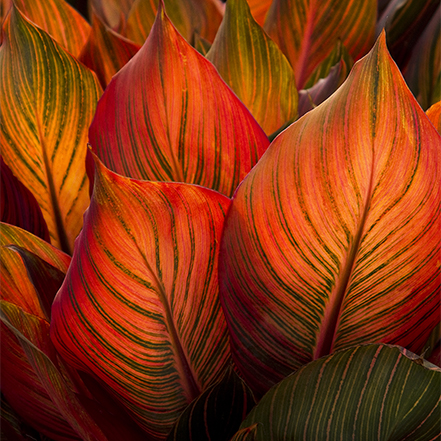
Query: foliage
[(220, 221)]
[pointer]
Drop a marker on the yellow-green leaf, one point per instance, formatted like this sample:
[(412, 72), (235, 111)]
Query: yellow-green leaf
[(48, 100), (254, 67)]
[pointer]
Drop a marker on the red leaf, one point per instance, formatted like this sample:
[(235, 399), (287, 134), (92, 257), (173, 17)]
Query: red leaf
[(168, 116)]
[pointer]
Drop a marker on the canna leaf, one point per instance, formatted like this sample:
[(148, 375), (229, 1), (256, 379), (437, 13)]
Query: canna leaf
[(306, 31), (367, 392), (423, 73), (217, 413), (47, 99), (106, 52), (332, 240), (434, 114), (60, 20), (40, 392), (19, 206), (189, 16), (168, 116), (139, 307), (254, 67)]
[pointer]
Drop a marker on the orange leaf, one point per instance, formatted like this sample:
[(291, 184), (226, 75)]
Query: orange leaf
[(47, 99), (307, 31), (332, 240), (167, 115), (139, 308)]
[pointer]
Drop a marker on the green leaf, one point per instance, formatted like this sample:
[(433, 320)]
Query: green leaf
[(373, 392), (254, 67)]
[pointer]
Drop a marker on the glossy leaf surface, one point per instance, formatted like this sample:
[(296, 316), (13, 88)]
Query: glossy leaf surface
[(47, 99), (188, 16), (367, 392), (217, 413), (307, 31), (18, 205), (60, 20), (254, 67), (168, 116), (423, 73), (332, 240), (139, 307), (434, 114), (106, 52)]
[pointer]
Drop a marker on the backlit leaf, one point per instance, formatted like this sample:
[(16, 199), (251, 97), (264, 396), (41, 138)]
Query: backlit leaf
[(18, 205), (139, 307), (188, 16), (47, 99), (363, 393), (306, 32), (434, 114), (60, 20), (254, 67), (332, 240), (168, 116), (423, 73), (106, 52)]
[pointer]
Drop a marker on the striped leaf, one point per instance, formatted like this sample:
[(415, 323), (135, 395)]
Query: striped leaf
[(434, 114), (363, 393), (404, 21), (18, 205), (47, 99), (60, 20), (139, 308), (189, 16), (168, 116), (306, 31), (106, 52), (217, 413), (254, 67), (332, 240), (423, 73)]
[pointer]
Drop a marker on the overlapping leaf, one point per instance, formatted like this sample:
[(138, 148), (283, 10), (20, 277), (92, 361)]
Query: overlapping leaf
[(167, 115), (62, 22), (18, 206), (259, 9), (106, 52), (139, 307), (368, 392), (47, 99), (332, 240), (254, 67), (111, 12), (189, 16), (307, 31)]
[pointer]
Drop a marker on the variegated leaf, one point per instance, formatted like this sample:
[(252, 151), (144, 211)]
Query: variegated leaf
[(332, 240)]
